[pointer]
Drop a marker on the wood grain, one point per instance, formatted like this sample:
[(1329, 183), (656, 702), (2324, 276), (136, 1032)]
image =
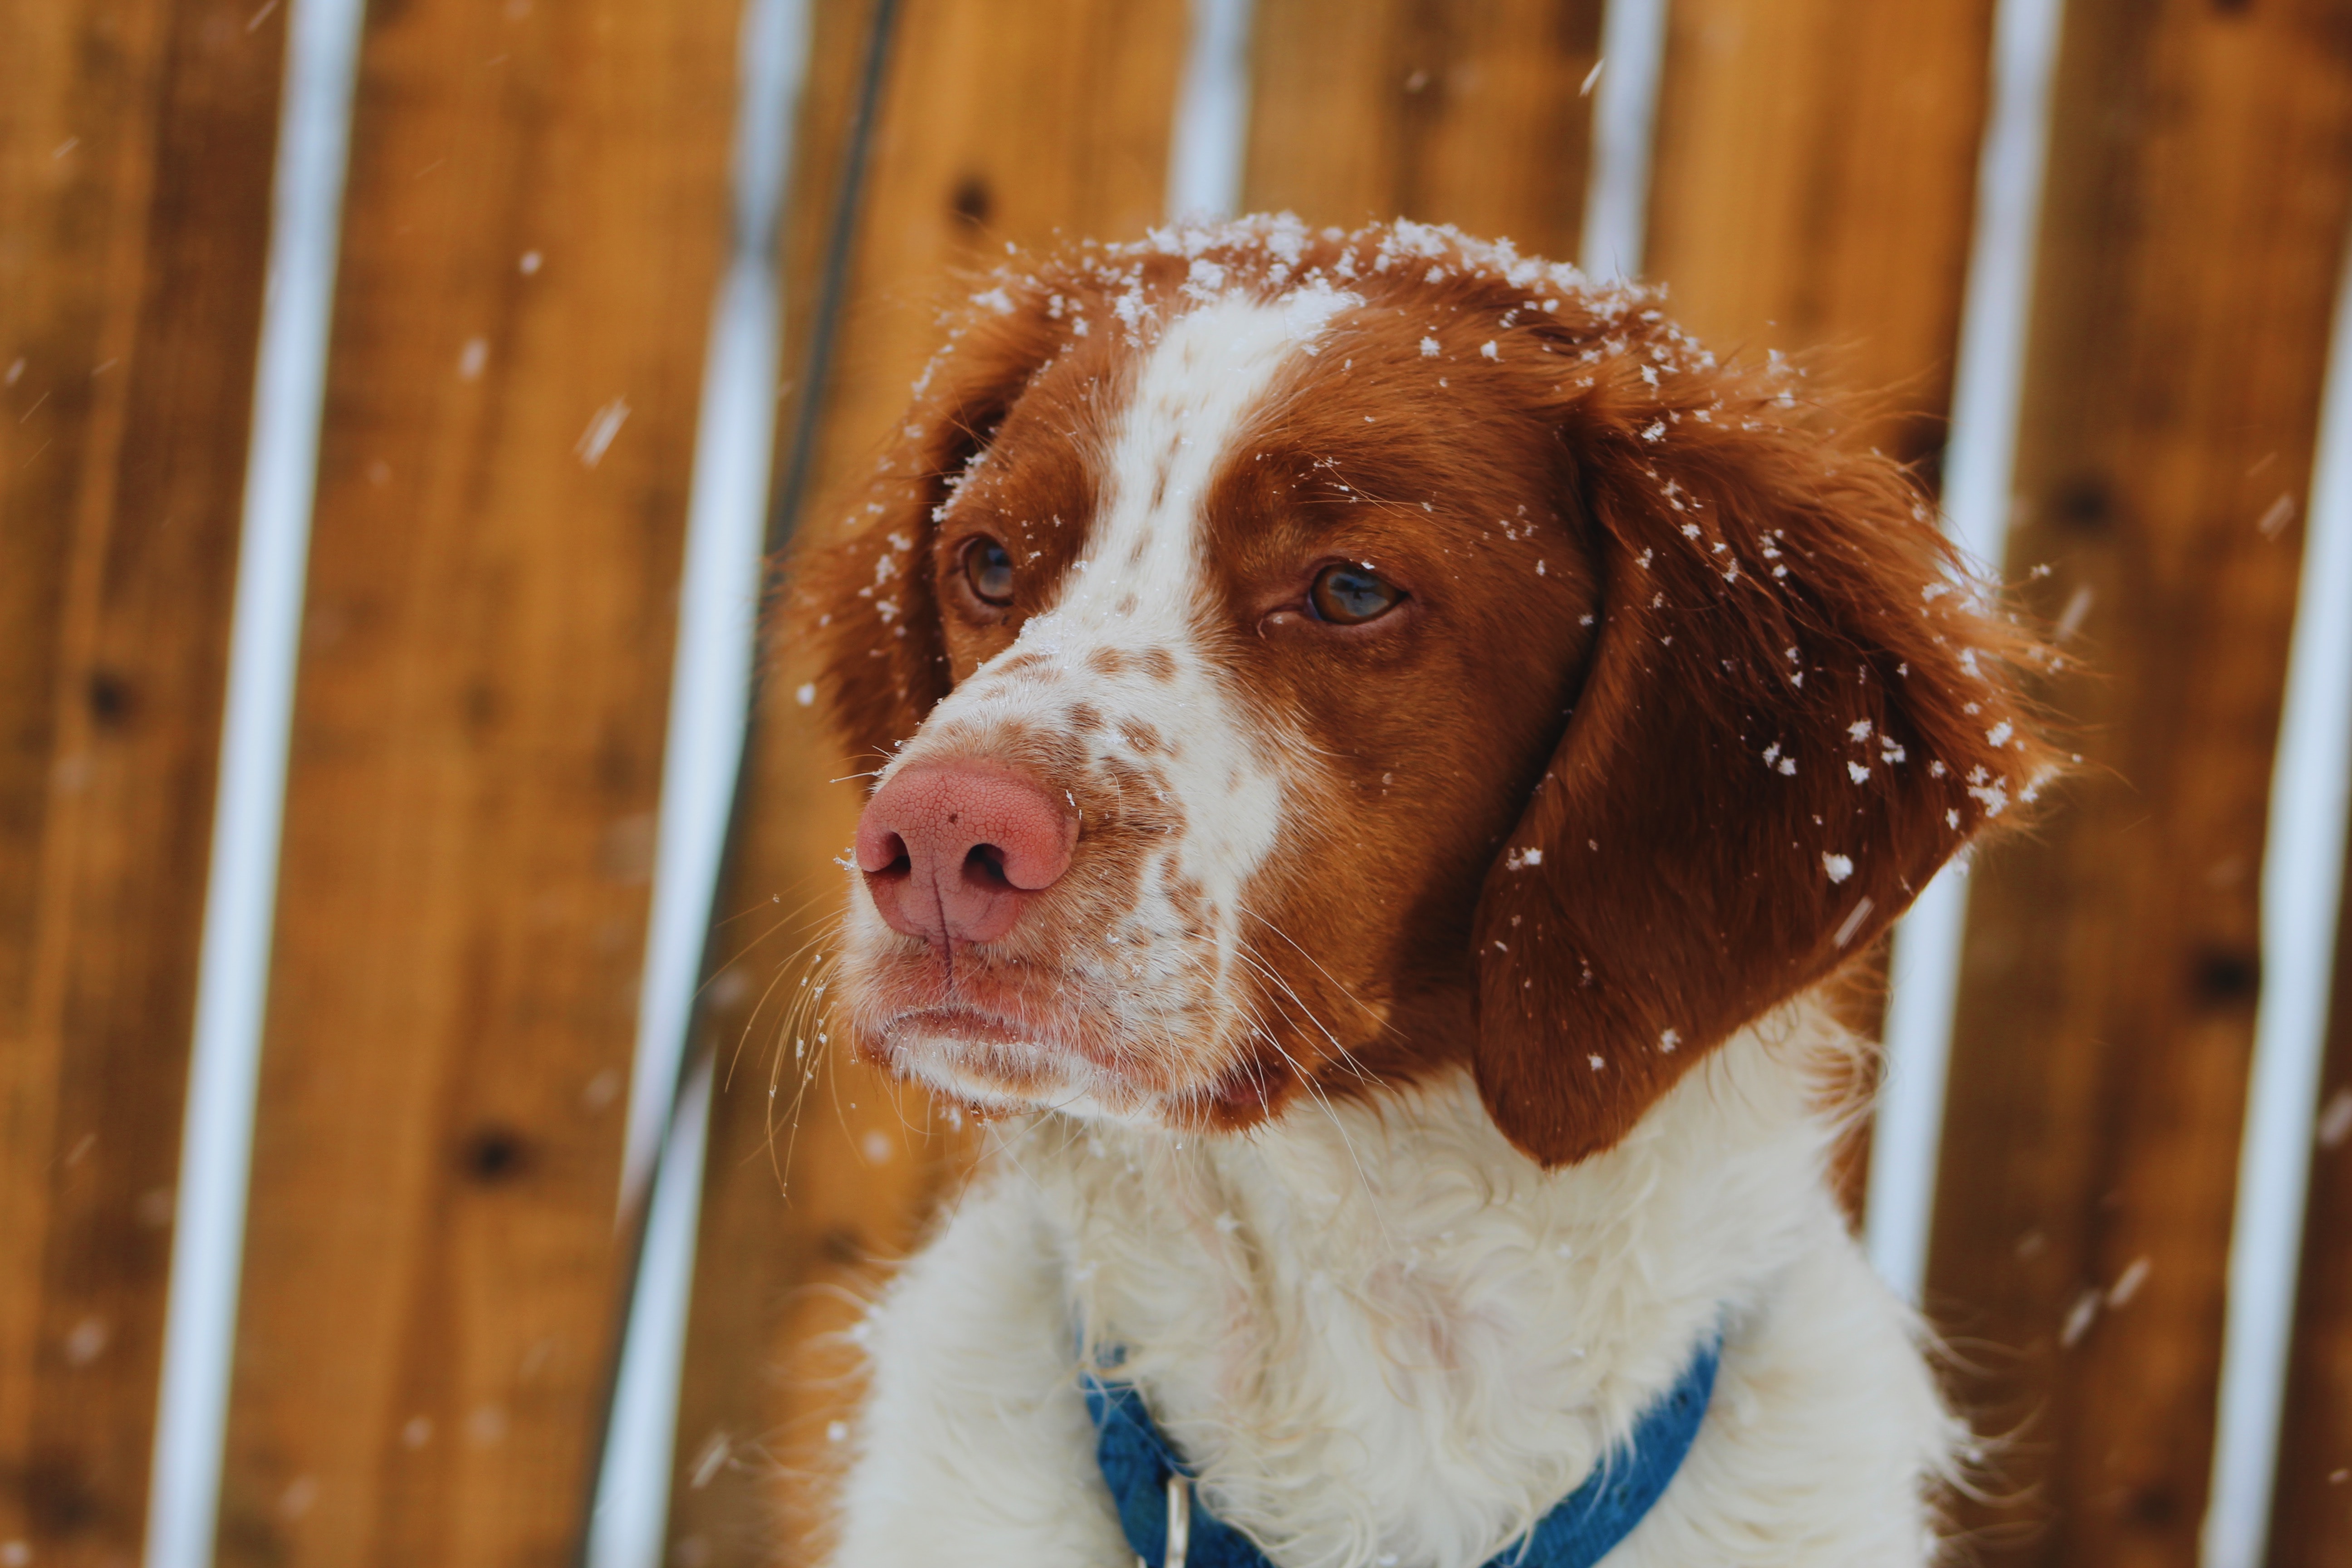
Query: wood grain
[(2311, 1518), (136, 141), (1471, 115), (2200, 180), (997, 125), (532, 235), (1813, 186)]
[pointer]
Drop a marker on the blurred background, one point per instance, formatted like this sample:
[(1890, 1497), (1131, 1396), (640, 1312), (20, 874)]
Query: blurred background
[(410, 1149)]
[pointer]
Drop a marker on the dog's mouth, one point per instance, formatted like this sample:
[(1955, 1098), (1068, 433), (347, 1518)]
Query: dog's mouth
[(993, 1064), (1004, 1037), (975, 1056)]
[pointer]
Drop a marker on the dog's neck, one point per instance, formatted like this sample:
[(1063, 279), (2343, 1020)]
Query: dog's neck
[(1325, 1311)]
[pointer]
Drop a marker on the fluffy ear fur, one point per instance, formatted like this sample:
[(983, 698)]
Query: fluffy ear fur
[(1793, 713), (863, 595)]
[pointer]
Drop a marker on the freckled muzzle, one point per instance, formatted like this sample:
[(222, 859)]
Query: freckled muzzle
[(1029, 932)]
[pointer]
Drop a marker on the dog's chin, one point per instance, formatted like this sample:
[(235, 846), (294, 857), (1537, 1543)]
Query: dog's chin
[(995, 1065)]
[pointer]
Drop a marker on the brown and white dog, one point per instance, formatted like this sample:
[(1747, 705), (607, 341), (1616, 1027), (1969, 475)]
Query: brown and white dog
[(1379, 738)]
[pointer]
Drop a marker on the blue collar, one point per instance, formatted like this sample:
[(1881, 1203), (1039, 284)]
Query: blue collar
[(1148, 1479)]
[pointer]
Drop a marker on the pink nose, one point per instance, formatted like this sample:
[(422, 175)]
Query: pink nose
[(952, 853)]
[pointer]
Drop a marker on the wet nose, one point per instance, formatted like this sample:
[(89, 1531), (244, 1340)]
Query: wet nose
[(953, 852)]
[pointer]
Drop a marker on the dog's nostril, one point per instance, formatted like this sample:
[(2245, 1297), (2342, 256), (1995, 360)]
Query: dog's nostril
[(985, 863), (901, 862)]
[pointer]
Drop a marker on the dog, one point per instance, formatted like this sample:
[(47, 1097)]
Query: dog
[(1379, 741)]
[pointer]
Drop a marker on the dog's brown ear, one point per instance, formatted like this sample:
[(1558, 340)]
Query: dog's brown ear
[(861, 593), (1795, 711)]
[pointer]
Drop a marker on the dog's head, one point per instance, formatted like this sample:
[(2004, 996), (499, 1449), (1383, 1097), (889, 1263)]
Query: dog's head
[(1295, 660)]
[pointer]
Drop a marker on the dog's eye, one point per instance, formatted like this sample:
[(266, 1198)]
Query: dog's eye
[(1349, 595), (987, 567)]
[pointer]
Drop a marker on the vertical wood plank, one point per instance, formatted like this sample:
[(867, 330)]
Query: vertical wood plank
[(136, 141), (1813, 186), (1812, 191), (533, 234), (2199, 180), (997, 125), (1443, 113), (2311, 1518)]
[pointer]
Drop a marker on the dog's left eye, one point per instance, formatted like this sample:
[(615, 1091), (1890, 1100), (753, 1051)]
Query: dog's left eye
[(987, 567), (1349, 595)]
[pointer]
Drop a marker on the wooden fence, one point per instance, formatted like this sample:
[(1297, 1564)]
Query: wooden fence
[(534, 224)]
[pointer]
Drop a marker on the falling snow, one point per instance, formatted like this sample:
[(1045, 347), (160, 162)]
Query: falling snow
[(598, 438), (2079, 1318)]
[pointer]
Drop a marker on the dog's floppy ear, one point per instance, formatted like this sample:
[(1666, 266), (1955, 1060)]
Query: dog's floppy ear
[(1794, 712), (862, 593)]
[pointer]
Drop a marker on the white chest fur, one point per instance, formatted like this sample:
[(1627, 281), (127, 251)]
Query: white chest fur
[(1384, 1337)]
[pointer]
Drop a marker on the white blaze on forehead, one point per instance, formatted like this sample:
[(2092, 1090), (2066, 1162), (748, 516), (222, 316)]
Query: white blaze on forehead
[(1197, 388), (1142, 580)]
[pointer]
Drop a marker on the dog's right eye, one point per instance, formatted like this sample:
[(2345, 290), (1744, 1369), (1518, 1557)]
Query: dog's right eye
[(987, 567), (1349, 595)]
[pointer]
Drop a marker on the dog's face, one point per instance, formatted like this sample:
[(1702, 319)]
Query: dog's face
[(1299, 661)]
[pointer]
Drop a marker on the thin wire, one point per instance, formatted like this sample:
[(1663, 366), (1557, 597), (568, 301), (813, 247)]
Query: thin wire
[(800, 457), (710, 676), (784, 515), (710, 682)]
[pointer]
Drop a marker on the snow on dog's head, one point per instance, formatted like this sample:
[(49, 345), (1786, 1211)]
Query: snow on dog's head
[(1302, 659)]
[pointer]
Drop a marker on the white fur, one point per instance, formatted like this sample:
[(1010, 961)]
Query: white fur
[(1387, 1338)]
